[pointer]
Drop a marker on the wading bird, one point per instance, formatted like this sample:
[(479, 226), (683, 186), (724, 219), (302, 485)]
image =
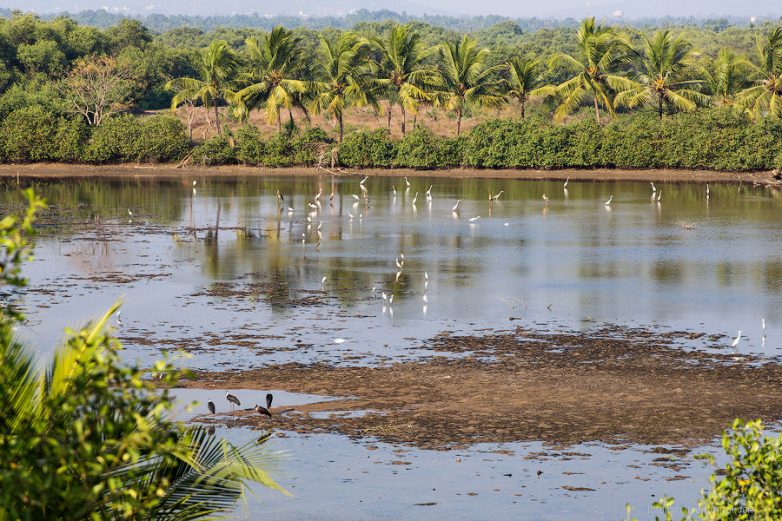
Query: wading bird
[(456, 206), (545, 198), (357, 198), (496, 197), (393, 190), (320, 192), (608, 203), (232, 399), (566, 182), (763, 325), (407, 182), (263, 411), (736, 340), (659, 195), (364, 180), (415, 198), (473, 219), (323, 283), (654, 189), (707, 190), (211, 406)]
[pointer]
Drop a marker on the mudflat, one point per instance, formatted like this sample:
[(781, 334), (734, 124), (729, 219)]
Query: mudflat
[(609, 384)]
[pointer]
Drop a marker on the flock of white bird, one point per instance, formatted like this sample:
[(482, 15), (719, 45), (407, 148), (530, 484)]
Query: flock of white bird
[(399, 262)]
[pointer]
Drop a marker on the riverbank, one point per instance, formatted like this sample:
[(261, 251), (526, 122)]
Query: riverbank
[(60, 170), (609, 384)]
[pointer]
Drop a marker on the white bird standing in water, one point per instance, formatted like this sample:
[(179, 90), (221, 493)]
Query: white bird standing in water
[(194, 182), (364, 180), (654, 189), (497, 196), (323, 283), (474, 219), (608, 203), (429, 193), (545, 198), (357, 198), (566, 182), (456, 206), (763, 325), (736, 340), (707, 190), (130, 213), (415, 198), (393, 190), (659, 195), (320, 192), (407, 182), (399, 264)]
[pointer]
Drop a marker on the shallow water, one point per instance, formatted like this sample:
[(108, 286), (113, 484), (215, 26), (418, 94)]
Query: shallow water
[(253, 296)]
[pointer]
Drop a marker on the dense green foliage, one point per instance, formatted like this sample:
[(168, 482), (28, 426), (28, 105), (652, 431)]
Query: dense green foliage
[(746, 488), (66, 91), (88, 437)]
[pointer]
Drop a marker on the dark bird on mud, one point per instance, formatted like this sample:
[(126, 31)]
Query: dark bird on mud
[(211, 405), (269, 399), (233, 399), (263, 411)]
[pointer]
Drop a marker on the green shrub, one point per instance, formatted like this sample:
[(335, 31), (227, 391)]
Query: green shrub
[(367, 148), (422, 149), (215, 151), (127, 138), (32, 134), (162, 138), (249, 148), (308, 144), (115, 140)]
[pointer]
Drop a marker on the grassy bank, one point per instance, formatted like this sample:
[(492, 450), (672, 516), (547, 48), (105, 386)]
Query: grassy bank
[(717, 140)]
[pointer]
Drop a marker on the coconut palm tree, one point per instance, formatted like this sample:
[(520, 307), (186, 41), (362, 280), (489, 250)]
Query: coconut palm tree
[(270, 82), (725, 75), (218, 65), (466, 78), (345, 77), (601, 51), (661, 76), (524, 79), (765, 98), (404, 70)]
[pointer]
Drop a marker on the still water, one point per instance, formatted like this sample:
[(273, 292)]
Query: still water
[(252, 293)]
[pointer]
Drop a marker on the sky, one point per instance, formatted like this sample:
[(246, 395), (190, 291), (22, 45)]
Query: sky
[(511, 8)]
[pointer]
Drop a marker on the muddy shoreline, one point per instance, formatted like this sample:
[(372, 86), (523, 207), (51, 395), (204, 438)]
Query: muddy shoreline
[(48, 170), (610, 385)]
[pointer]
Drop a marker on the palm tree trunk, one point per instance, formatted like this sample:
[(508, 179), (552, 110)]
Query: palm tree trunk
[(279, 123), (217, 119), (388, 116), (290, 117), (404, 120), (597, 111), (458, 122), (660, 104), (523, 108), (341, 128)]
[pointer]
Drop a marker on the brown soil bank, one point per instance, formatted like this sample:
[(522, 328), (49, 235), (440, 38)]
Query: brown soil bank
[(151, 171), (610, 385)]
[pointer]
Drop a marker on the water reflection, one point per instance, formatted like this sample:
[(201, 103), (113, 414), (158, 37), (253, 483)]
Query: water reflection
[(228, 255)]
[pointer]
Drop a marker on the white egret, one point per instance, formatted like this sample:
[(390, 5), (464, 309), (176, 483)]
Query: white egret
[(429, 193), (736, 340), (545, 198), (363, 180), (654, 189), (130, 213), (339, 340), (393, 190), (608, 203), (407, 182), (707, 190), (426, 275), (320, 192), (391, 299), (357, 198), (323, 283), (474, 219), (398, 274), (566, 182), (456, 206), (194, 182), (415, 198), (313, 206), (398, 264), (659, 195), (497, 196), (763, 325)]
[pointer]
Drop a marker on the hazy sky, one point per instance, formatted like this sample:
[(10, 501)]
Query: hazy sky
[(523, 8)]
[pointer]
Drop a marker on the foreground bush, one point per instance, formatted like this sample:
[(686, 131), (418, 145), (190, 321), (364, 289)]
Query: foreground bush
[(747, 487), (90, 438), (421, 148), (367, 148)]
